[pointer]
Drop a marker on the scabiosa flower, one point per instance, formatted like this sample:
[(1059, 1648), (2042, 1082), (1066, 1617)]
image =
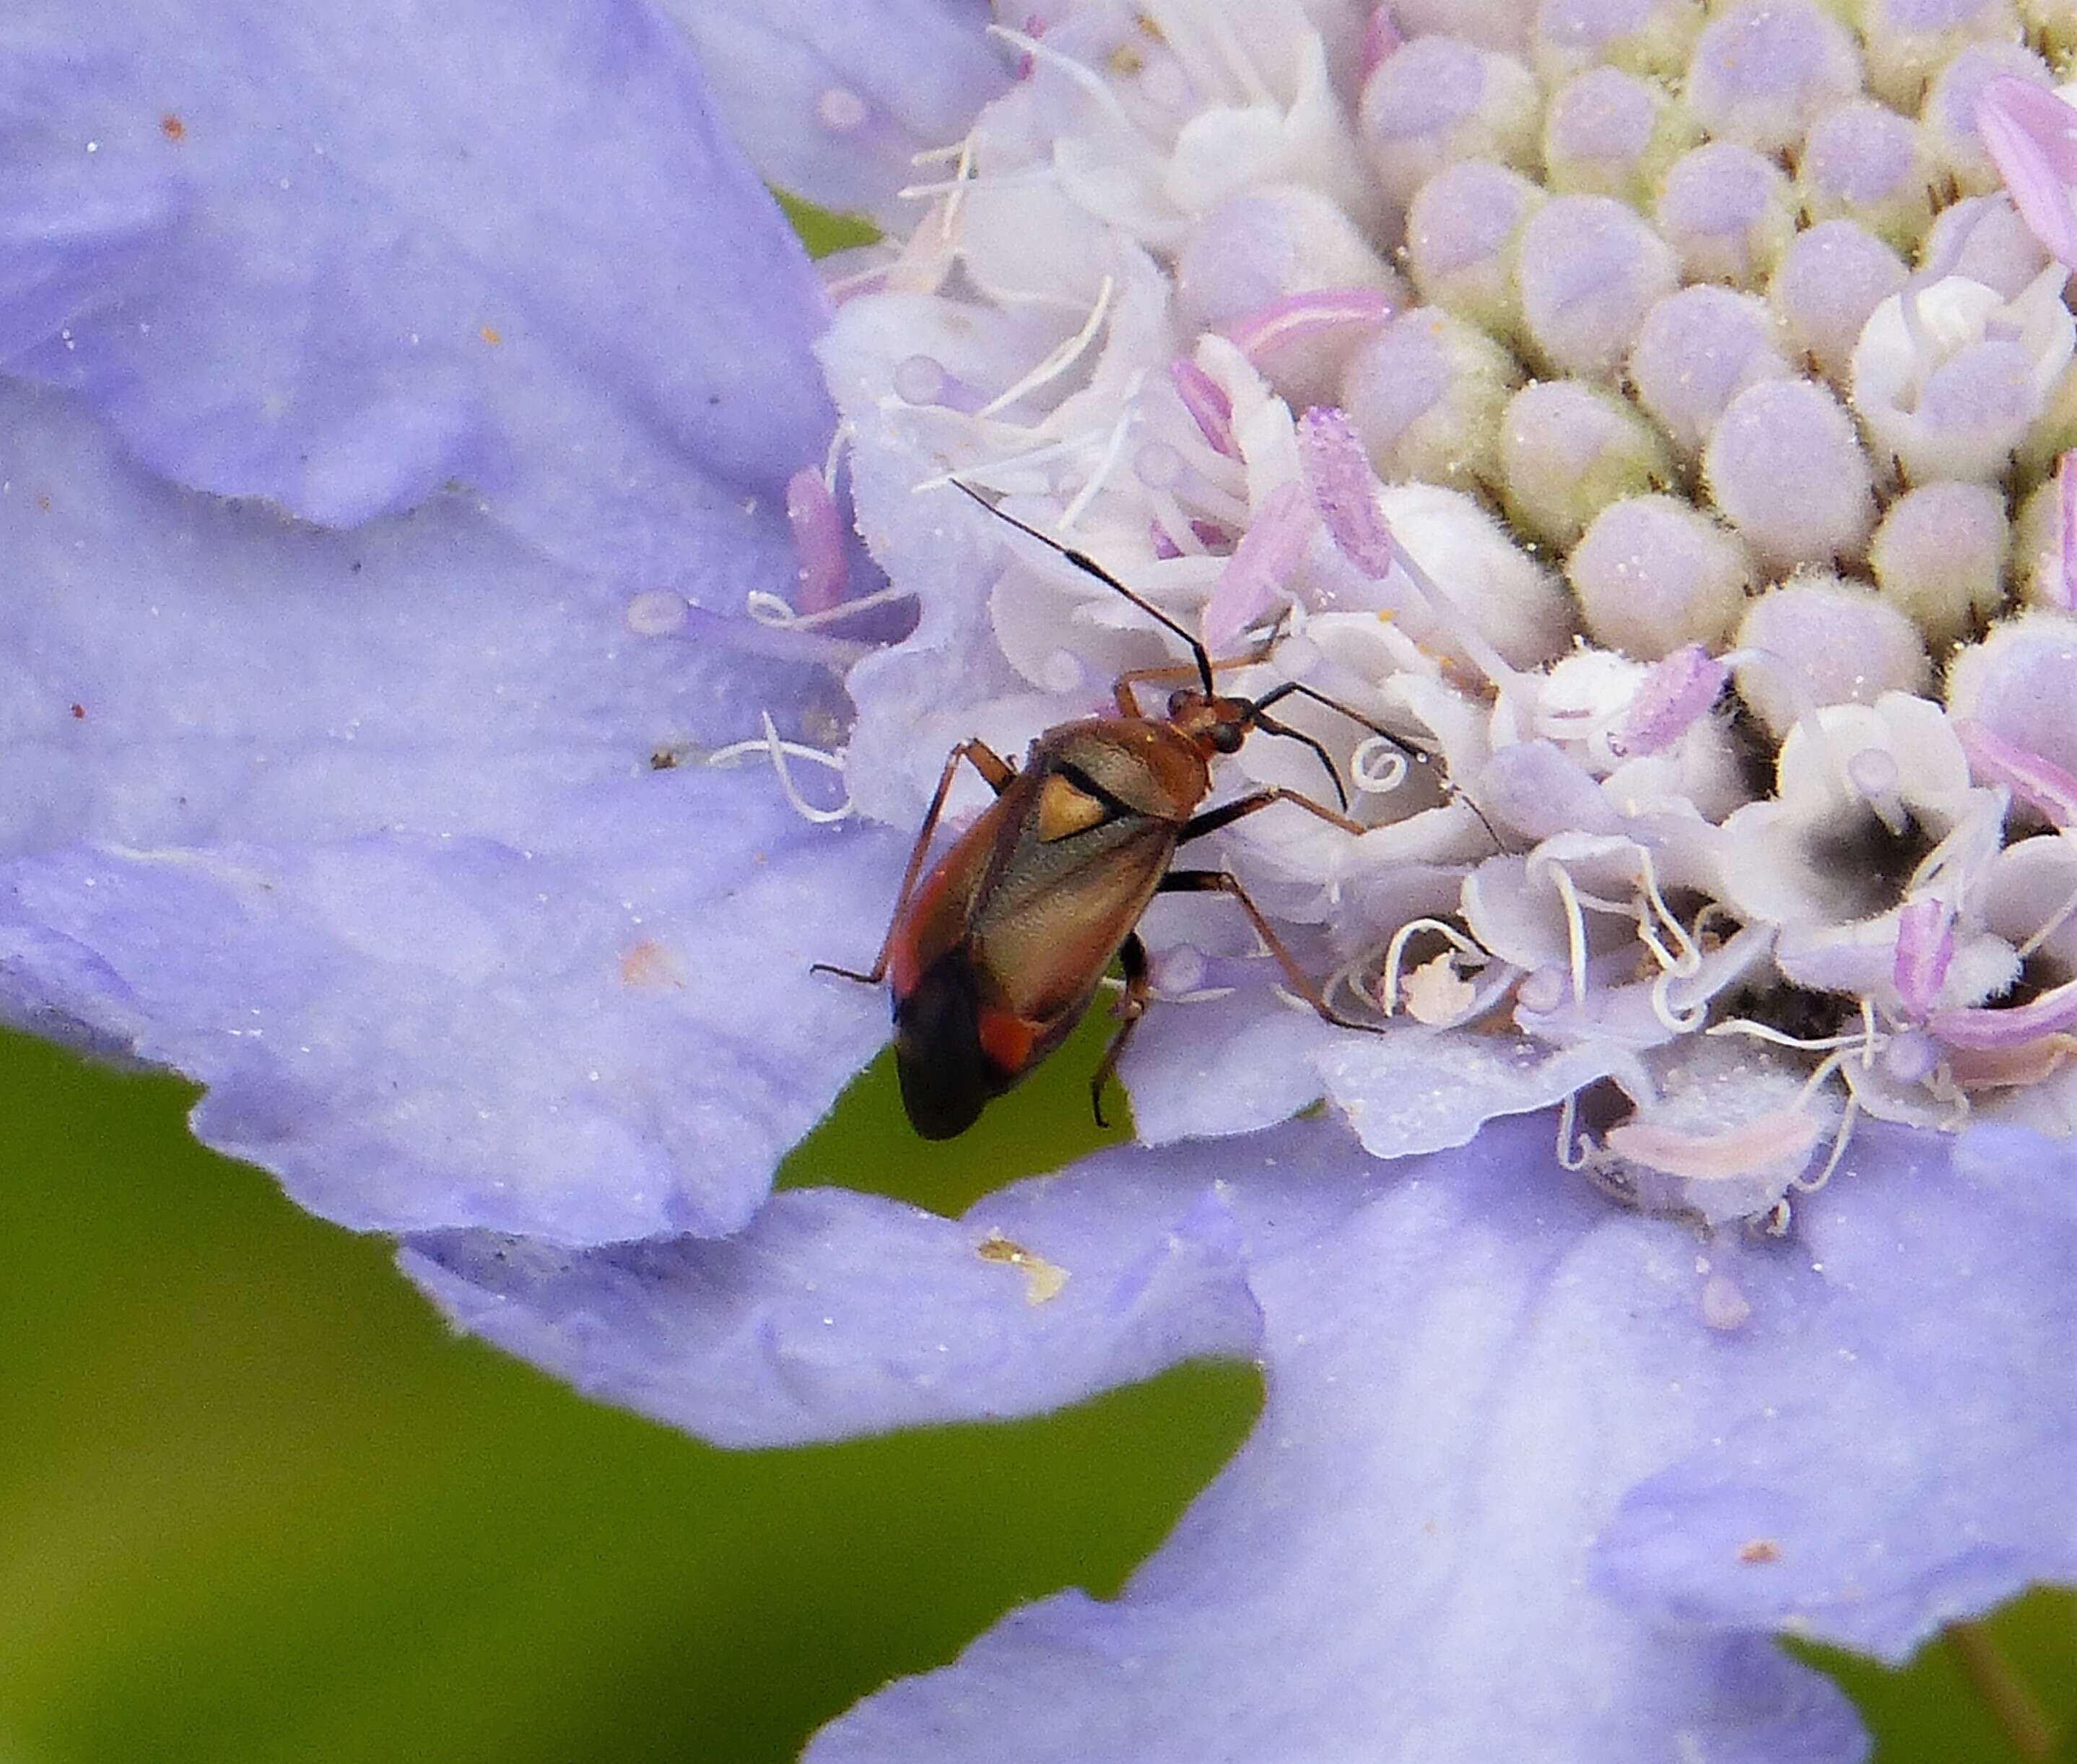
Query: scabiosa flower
[(432, 594)]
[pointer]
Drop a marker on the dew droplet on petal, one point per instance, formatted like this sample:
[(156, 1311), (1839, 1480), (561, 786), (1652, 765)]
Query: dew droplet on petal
[(656, 612), (1786, 468), (841, 110), (1725, 1307)]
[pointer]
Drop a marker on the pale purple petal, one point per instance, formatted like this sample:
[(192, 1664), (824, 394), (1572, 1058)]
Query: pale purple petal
[(1924, 948), (2031, 135), (837, 1313), (1677, 692), (1467, 1378), (1343, 488), (1913, 1455), (364, 831), (832, 101), (1268, 552), (524, 262)]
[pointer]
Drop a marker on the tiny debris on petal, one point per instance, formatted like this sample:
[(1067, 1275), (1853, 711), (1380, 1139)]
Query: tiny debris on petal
[(1042, 1280)]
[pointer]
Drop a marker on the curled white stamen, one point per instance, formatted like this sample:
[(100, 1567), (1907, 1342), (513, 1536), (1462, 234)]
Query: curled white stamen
[(1395, 953), (1810, 1184), (779, 752), (1761, 1032), (1365, 772), (1059, 360), (1568, 1117), (1108, 462), (1087, 78), (1575, 922), (987, 472), (775, 613)]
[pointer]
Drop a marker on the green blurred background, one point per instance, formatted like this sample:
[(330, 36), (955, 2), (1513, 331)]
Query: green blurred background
[(257, 1504)]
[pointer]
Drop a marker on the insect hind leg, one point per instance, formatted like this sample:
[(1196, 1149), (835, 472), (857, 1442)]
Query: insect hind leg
[(998, 773), (1132, 958)]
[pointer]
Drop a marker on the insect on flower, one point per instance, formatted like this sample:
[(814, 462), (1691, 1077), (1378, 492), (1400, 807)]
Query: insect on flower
[(996, 955)]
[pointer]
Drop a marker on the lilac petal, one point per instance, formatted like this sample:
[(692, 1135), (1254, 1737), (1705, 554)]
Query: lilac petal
[(1263, 561), (1311, 313), (835, 1313), (2065, 493), (1206, 400), (340, 279), (818, 537), (1465, 1375), (1343, 488), (2031, 135), (1984, 1028), (359, 784), (2039, 783), (1677, 692), (1924, 948), (832, 103), (415, 1032), (1899, 1429)]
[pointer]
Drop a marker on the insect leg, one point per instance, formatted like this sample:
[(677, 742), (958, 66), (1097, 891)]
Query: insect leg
[(1227, 813), (1132, 958), (1217, 882), (997, 772)]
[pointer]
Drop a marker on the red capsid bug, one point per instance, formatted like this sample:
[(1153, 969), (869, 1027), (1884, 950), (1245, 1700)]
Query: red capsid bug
[(996, 954)]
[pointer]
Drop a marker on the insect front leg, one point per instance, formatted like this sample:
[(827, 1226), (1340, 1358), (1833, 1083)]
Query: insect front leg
[(1217, 882), (997, 773), (1132, 958), (1227, 813)]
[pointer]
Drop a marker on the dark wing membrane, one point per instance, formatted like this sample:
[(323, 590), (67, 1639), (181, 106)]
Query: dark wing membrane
[(944, 1076)]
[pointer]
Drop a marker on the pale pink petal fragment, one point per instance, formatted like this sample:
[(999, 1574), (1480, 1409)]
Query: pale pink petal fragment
[(818, 541), (1206, 400), (2066, 491), (1756, 1145), (1677, 693), (1343, 488), (1307, 315), (2039, 783), (2031, 135), (1262, 562), (1925, 946), (1381, 39), (2054, 1010)]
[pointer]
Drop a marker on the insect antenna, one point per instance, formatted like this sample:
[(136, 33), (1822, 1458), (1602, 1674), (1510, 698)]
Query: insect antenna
[(1090, 566)]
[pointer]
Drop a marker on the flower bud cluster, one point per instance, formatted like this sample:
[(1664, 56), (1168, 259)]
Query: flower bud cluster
[(1659, 418)]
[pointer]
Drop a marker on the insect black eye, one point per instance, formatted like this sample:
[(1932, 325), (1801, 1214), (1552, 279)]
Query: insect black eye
[(1227, 736)]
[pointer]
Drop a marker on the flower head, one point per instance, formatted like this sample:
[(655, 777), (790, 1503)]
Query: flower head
[(1585, 396)]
